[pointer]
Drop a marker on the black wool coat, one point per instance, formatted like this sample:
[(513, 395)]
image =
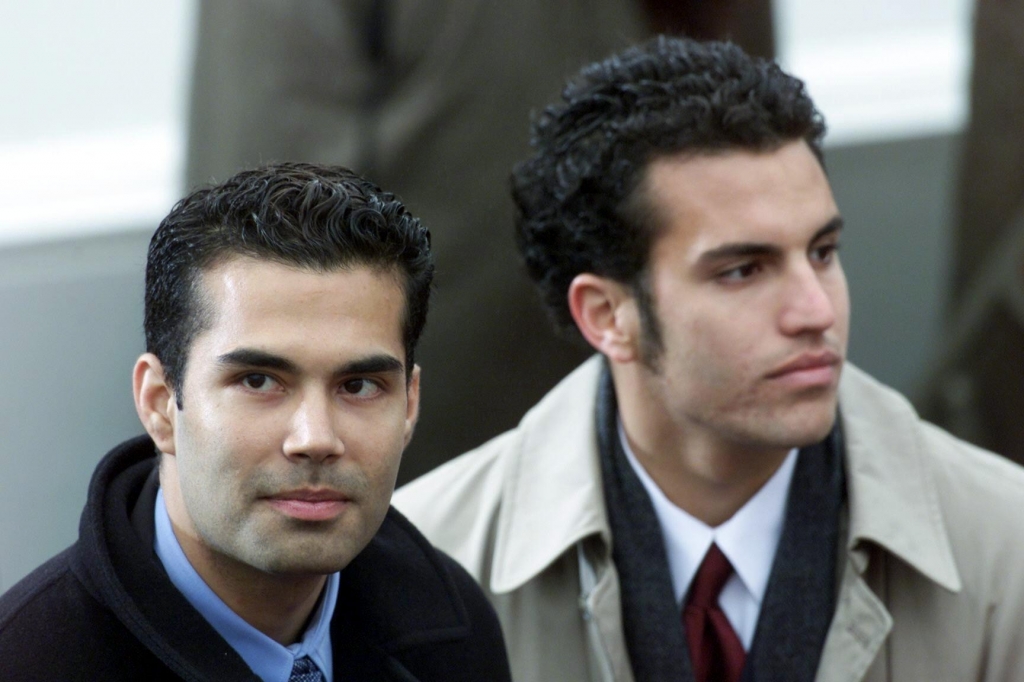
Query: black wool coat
[(104, 608)]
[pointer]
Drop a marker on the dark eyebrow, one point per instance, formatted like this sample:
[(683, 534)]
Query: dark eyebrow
[(831, 227), (258, 359), (742, 249), (373, 364), (250, 357)]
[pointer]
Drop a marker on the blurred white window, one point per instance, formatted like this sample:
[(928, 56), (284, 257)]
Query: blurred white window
[(93, 96)]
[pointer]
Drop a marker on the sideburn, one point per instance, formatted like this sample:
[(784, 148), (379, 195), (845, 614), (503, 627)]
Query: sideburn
[(651, 345)]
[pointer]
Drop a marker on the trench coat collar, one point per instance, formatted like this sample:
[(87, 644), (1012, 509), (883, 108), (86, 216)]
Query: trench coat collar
[(553, 495), (893, 499), (552, 492)]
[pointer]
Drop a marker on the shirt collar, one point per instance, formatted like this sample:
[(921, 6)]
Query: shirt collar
[(268, 659), (749, 539)]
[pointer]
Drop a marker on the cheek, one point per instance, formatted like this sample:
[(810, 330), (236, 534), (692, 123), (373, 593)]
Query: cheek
[(218, 452), (382, 455), (843, 309), (376, 440), (713, 348), (839, 290)]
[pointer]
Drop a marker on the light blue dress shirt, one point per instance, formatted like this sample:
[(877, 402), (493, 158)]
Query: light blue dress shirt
[(271, 661)]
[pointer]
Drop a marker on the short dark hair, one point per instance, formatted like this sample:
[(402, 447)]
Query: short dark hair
[(304, 215), (578, 205)]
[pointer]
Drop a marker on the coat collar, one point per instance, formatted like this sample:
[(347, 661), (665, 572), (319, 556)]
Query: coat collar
[(553, 496), (893, 500), (376, 605)]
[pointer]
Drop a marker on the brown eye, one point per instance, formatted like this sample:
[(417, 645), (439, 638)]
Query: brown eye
[(257, 382), (825, 253), (361, 388), (739, 273)]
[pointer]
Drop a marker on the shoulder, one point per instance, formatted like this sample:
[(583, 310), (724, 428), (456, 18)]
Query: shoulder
[(425, 564), (950, 512), (978, 495), (971, 481), (484, 637), (422, 608), (483, 654), (981, 493), (37, 596), (47, 611)]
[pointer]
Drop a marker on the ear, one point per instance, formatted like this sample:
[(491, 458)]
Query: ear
[(606, 314), (412, 406), (154, 401)]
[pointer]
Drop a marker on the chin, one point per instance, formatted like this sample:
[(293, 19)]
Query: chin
[(795, 426), (814, 430), (305, 556), (297, 565)]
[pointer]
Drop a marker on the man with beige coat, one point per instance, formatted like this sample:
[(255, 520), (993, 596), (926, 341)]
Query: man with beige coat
[(718, 495)]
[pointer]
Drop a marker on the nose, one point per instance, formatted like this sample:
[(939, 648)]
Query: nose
[(808, 305), (313, 434)]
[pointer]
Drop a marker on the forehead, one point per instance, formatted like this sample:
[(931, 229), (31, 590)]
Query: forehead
[(739, 195), (301, 313)]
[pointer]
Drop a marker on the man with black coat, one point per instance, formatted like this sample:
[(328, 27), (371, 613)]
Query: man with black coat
[(249, 535)]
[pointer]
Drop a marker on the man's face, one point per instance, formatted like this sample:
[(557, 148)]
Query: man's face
[(295, 413), (750, 296)]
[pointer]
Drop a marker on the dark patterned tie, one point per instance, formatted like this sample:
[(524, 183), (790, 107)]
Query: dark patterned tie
[(305, 670), (715, 651)]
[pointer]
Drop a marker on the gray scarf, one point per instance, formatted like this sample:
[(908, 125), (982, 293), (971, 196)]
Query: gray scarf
[(800, 598)]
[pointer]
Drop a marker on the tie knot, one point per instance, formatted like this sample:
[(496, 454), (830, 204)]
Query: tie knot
[(305, 670), (711, 577)]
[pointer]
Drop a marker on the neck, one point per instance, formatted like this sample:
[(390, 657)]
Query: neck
[(705, 475), (278, 606)]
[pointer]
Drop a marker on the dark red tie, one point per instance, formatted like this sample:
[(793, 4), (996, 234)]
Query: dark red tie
[(715, 650)]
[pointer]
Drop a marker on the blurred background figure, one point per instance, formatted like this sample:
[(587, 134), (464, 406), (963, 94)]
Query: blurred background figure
[(431, 98), (977, 390)]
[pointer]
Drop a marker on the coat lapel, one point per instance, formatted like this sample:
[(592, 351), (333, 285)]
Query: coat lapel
[(553, 501), (893, 501), (603, 613), (894, 509), (859, 627), (552, 496)]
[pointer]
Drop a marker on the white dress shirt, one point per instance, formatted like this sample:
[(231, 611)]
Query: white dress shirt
[(749, 540)]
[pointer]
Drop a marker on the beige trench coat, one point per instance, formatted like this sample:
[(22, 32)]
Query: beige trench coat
[(932, 574)]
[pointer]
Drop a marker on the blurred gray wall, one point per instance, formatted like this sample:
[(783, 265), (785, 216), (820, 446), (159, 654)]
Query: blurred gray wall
[(896, 198), (71, 328)]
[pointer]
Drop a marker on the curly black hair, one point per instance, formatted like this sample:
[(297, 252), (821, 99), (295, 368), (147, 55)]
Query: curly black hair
[(309, 216), (578, 208)]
